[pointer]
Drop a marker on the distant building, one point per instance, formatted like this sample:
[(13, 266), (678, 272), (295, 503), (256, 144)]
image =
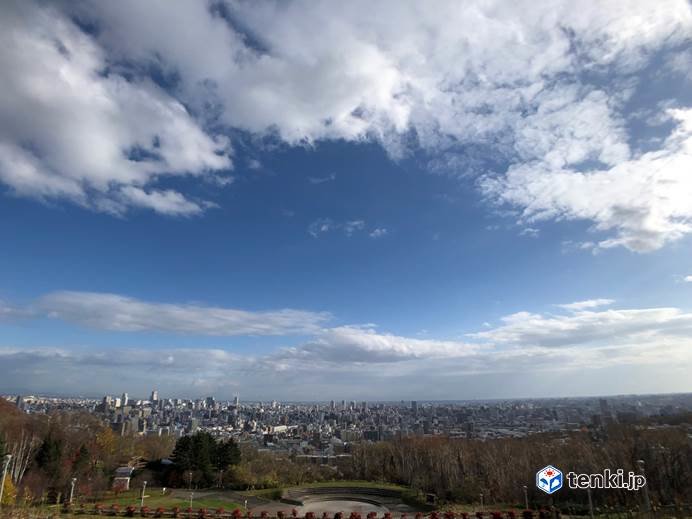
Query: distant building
[(154, 396), (124, 400)]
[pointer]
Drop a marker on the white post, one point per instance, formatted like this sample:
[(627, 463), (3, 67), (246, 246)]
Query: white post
[(144, 488), (5, 466), (645, 488), (72, 482)]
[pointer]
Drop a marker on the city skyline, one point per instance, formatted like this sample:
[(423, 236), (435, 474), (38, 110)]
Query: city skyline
[(346, 201)]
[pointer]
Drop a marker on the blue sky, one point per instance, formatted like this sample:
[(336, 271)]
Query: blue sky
[(470, 203)]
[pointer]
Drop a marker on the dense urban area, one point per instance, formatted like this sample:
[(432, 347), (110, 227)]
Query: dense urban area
[(459, 453)]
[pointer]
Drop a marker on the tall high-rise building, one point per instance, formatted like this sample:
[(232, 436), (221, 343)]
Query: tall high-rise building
[(154, 396), (236, 400), (332, 405), (124, 400), (414, 407)]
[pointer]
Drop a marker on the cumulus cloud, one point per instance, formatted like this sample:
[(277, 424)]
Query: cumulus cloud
[(533, 99), (71, 127), (644, 200), (687, 279), (119, 313)]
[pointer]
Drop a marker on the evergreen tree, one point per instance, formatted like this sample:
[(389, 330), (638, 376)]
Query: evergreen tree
[(49, 457), (227, 454), (82, 461), (202, 455)]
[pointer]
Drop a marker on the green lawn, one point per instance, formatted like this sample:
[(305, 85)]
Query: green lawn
[(179, 498)]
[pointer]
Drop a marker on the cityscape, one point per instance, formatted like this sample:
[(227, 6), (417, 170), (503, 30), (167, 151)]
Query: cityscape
[(298, 259), (324, 431)]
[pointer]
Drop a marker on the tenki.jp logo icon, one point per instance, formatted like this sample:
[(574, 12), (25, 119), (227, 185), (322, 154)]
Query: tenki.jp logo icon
[(549, 479)]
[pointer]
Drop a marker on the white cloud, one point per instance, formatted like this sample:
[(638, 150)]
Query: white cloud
[(644, 200), (325, 225), (354, 344), (321, 180), (321, 226), (528, 354), (125, 314), (352, 226), (530, 232), (688, 279), (483, 84), (585, 305), (378, 232), (649, 327), (72, 128)]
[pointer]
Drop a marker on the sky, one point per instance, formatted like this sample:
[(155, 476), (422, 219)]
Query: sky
[(346, 200)]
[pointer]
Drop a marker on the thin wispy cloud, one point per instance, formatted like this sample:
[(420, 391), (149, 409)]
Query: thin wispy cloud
[(525, 346), (126, 314), (588, 304), (326, 225), (321, 180), (378, 232)]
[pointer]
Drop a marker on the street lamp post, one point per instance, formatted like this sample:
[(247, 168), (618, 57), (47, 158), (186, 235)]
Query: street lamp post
[(72, 482), (144, 488), (189, 479), (5, 466), (645, 488)]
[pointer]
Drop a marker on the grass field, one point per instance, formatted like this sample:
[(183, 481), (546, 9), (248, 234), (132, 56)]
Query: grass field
[(179, 498)]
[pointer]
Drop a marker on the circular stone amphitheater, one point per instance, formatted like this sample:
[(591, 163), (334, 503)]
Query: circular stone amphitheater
[(345, 499)]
